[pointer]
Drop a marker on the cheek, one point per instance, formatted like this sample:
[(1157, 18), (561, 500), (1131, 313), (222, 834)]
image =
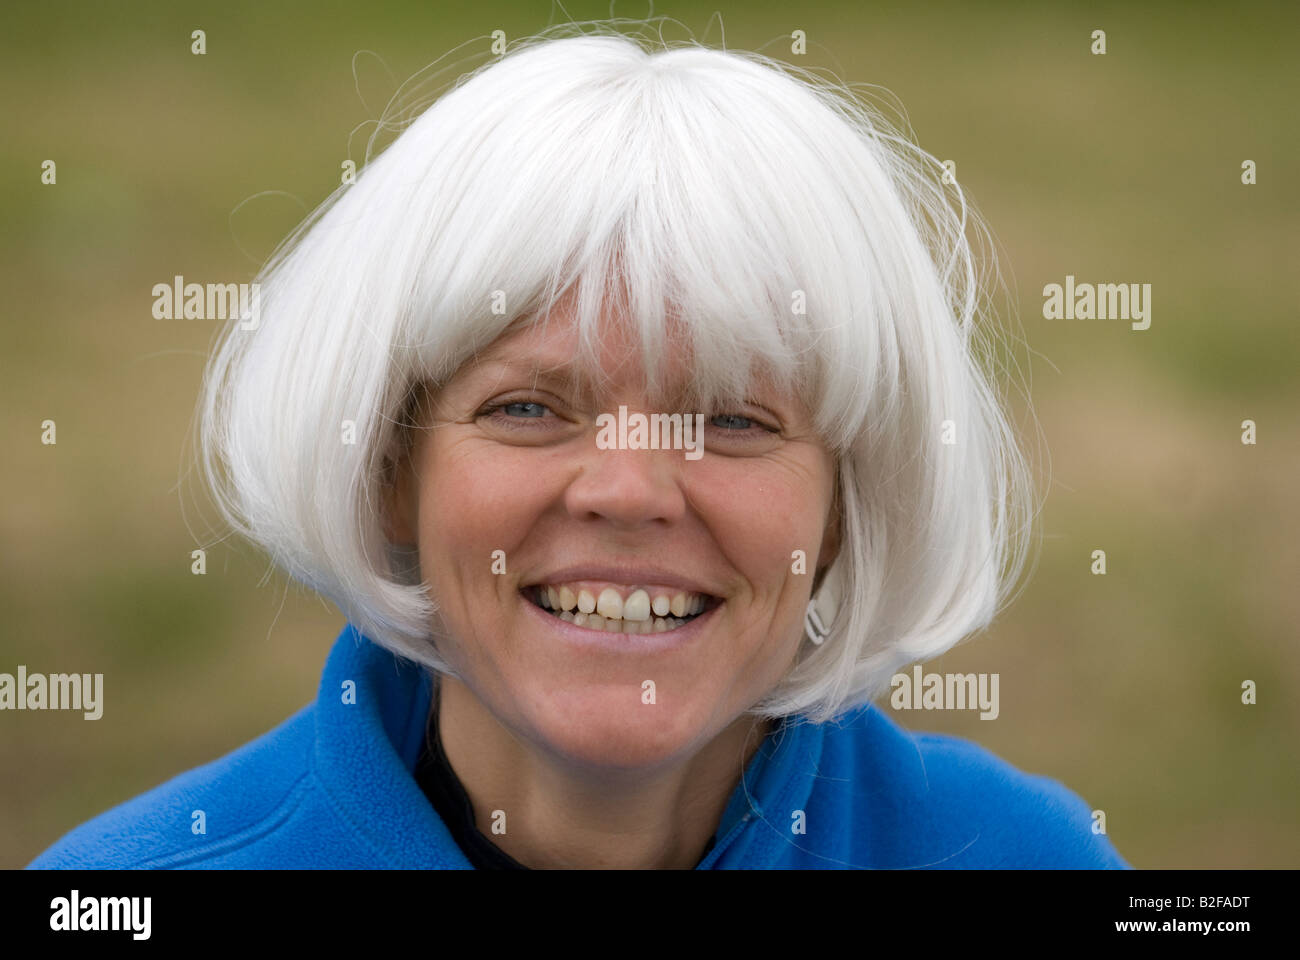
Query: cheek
[(475, 500), (759, 515)]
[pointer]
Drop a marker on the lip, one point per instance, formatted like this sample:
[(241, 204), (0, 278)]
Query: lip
[(633, 643), (625, 575)]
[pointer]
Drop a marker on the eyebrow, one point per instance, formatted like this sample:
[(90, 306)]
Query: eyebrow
[(507, 360), (538, 371), (561, 374)]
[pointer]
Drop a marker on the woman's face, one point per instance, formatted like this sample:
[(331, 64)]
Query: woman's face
[(503, 501)]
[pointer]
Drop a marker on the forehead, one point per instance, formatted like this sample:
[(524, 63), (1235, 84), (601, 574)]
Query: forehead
[(548, 350), (605, 354)]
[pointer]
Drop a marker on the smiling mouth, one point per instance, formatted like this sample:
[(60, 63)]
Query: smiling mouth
[(608, 615)]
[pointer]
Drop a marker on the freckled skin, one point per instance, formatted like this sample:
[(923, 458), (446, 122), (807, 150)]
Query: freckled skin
[(587, 773)]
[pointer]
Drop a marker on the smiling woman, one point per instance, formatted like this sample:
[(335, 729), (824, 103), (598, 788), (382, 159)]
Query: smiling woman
[(563, 651)]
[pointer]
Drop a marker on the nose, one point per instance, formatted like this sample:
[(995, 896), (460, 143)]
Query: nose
[(628, 488)]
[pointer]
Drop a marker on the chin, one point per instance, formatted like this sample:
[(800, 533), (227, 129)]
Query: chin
[(608, 727)]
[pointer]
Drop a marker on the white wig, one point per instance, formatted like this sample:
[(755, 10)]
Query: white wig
[(770, 216)]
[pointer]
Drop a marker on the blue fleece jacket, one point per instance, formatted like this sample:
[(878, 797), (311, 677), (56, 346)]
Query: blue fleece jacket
[(333, 787)]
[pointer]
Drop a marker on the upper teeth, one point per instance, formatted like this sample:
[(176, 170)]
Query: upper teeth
[(612, 605)]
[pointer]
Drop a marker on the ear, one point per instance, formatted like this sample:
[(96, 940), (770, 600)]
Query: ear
[(831, 537), (401, 499)]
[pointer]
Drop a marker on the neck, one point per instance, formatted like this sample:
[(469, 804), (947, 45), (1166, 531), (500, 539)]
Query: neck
[(559, 817)]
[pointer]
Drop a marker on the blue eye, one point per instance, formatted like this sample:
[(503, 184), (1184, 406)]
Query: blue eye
[(535, 409), (735, 424), (735, 421), (511, 414)]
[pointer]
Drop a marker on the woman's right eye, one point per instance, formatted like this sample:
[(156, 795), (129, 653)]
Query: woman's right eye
[(512, 414), (533, 410)]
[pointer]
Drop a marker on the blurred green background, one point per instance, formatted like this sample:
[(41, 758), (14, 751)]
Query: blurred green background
[(1116, 168)]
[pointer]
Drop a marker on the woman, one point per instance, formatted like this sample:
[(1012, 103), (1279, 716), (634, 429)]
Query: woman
[(630, 406)]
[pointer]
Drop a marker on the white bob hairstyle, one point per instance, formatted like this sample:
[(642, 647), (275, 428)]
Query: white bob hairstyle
[(772, 216)]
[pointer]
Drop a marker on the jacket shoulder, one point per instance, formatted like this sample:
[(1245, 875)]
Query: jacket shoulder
[(953, 803), (241, 796)]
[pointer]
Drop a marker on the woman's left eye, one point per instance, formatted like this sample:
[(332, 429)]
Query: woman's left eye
[(738, 423), (734, 421)]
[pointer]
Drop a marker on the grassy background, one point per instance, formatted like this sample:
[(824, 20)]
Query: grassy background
[(1115, 168)]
